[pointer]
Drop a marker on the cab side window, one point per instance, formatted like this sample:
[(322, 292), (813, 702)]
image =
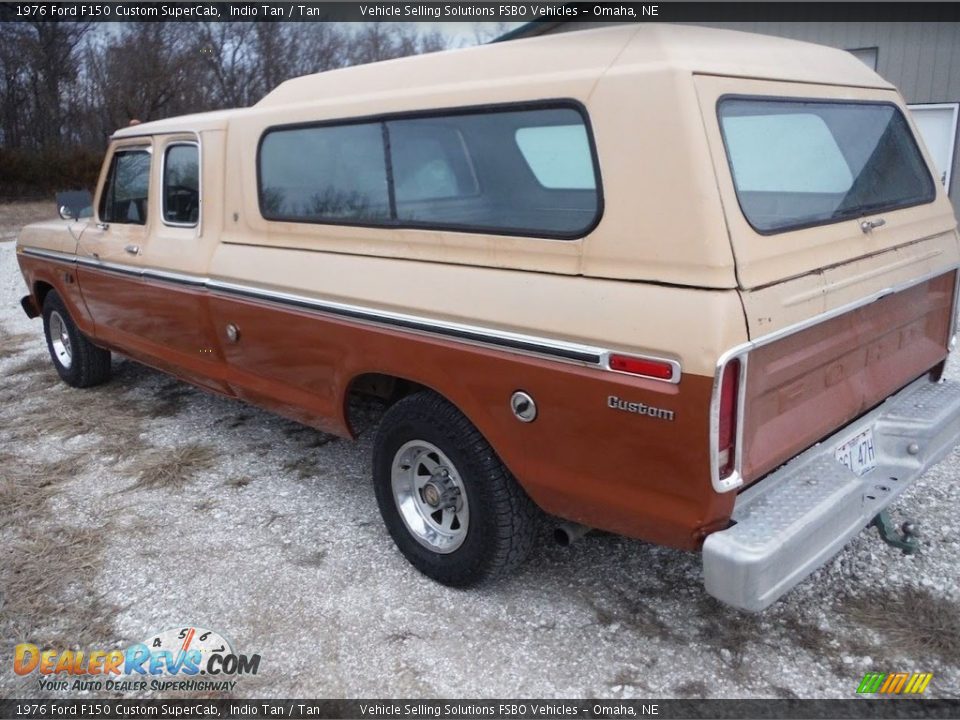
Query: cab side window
[(181, 184), (124, 198)]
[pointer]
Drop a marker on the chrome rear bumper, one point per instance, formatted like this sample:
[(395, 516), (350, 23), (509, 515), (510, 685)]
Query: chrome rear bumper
[(798, 517)]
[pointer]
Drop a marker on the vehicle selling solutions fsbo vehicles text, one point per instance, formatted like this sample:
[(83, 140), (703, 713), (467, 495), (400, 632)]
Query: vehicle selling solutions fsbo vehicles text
[(532, 11)]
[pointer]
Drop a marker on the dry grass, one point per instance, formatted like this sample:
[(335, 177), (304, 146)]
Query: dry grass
[(24, 490), (168, 399), (35, 365), (239, 482), (14, 215), (306, 437), (25, 487), (12, 393), (301, 466), (913, 622), (724, 628), (205, 505), (47, 565), (110, 417), (40, 421), (401, 637), (312, 559), (78, 412), (638, 681), (12, 343), (47, 569), (634, 613), (163, 468), (692, 689)]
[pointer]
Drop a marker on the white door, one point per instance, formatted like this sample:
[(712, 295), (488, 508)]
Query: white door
[(938, 127)]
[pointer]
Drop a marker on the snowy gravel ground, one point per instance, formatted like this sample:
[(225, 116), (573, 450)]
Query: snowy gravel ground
[(268, 532)]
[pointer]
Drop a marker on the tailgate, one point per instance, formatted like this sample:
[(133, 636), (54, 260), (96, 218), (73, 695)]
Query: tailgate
[(800, 385)]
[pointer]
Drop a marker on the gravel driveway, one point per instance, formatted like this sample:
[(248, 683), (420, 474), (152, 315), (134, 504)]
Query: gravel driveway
[(145, 504)]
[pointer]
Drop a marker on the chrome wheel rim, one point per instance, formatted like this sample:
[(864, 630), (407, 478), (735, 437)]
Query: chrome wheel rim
[(60, 340), (430, 496)]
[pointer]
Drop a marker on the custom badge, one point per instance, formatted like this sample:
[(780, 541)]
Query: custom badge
[(639, 408)]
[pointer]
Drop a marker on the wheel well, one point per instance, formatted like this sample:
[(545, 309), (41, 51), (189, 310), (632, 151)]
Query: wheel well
[(369, 395), (40, 291)]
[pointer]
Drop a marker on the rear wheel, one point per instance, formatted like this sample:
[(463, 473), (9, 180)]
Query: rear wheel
[(78, 361), (451, 506)]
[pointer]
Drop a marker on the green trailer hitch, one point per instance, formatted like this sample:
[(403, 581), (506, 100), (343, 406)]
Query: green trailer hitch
[(904, 538)]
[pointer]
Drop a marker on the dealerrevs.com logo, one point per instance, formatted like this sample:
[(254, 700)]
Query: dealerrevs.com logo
[(187, 658)]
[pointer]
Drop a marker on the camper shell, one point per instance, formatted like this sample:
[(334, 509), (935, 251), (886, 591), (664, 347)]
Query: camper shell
[(639, 349)]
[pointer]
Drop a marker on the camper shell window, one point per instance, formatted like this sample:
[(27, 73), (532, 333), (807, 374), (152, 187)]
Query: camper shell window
[(511, 170), (800, 163)]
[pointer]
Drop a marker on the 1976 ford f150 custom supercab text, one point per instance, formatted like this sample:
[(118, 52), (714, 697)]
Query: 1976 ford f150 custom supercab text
[(688, 285)]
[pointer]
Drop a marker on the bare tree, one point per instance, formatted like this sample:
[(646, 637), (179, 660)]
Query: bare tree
[(13, 82), (286, 50), (39, 61), (55, 65), (373, 42), (69, 86), (229, 52), (150, 71), (487, 32)]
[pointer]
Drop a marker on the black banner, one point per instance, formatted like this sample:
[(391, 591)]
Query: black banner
[(479, 11), (461, 709)]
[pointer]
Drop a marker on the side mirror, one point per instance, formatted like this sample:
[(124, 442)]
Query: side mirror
[(75, 204)]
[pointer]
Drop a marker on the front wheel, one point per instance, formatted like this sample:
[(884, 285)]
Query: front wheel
[(78, 361), (450, 505)]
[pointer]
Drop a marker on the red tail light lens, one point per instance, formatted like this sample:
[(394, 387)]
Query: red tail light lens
[(727, 429)]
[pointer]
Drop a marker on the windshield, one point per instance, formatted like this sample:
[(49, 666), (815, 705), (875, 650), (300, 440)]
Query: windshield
[(797, 163)]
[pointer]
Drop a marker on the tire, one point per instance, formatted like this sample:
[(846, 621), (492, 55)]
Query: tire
[(489, 524), (78, 361)]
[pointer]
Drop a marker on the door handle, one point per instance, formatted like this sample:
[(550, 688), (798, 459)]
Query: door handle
[(868, 225), (102, 226), (133, 249)]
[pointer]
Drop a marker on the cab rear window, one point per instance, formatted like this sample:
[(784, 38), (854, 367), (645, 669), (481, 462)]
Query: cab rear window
[(798, 163)]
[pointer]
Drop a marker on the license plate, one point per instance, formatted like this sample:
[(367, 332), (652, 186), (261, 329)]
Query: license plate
[(858, 453)]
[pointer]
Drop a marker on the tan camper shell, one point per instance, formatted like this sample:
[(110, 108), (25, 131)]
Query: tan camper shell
[(687, 285)]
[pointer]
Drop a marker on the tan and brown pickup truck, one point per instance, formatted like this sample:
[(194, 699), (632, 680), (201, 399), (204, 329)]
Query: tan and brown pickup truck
[(691, 286)]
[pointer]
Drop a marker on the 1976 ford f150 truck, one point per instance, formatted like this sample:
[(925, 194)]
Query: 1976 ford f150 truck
[(688, 285)]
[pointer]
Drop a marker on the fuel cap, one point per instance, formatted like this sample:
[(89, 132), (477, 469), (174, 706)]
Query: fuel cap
[(523, 406)]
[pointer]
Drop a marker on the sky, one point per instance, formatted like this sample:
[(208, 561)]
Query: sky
[(462, 34)]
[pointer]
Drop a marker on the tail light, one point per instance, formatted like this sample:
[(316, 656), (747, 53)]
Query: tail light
[(727, 430), (952, 341), (725, 427)]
